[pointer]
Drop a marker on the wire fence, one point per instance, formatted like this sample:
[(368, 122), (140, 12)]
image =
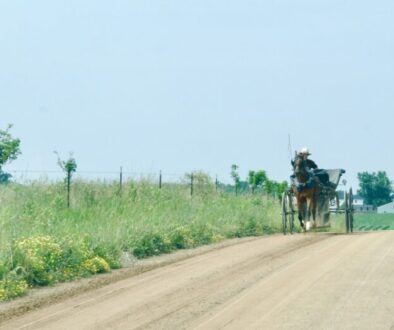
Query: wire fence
[(23, 176), (193, 181)]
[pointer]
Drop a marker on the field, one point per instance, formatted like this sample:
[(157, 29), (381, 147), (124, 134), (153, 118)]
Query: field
[(367, 222), (43, 242), (364, 222)]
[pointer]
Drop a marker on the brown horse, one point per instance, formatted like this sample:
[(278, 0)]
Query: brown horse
[(306, 188)]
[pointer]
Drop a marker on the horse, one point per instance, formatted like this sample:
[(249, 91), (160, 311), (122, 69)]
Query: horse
[(306, 188)]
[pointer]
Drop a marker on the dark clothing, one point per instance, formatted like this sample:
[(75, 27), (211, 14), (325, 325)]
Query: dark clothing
[(314, 171), (323, 176), (320, 173), (310, 164)]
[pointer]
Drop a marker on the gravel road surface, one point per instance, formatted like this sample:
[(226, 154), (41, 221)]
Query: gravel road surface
[(304, 281)]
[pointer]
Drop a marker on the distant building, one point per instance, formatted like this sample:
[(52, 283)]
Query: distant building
[(357, 199), (358, 203), (364, 208), (387, 208)]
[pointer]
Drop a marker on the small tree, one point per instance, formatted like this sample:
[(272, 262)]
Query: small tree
[(69, 166), (235, 175), (257, 179), (9, 151), (269, 187), (279, 188), (282, 187)]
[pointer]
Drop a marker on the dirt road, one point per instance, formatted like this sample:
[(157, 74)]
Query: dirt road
[(313, 281)]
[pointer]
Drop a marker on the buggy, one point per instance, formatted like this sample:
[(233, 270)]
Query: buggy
[(327, 203)]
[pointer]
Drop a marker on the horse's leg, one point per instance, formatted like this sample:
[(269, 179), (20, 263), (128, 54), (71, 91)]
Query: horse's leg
[(308, 205), (300, 204), (304, 212), (313, 209), (315, 200)]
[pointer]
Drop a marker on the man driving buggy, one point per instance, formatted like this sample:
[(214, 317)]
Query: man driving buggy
[(309, 162), (312, 167)]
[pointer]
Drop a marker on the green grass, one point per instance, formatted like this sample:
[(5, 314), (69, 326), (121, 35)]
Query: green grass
[(43, 242), (367, 222), (337, 223), (363, 222)]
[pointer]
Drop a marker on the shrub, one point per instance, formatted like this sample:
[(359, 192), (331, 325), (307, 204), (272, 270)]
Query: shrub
[(217, 238), (75, 253), (110, 253), (202, 234), (152, 244), (182, 238), (96, 265), (3, 269), (12, 286), (40, 257), (249, 228), (44, 261)]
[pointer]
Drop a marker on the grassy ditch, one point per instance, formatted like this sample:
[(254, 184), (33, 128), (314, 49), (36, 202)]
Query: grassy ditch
[(43, 242)]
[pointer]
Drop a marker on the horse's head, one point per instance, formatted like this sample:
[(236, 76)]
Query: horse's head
[(299, 167)]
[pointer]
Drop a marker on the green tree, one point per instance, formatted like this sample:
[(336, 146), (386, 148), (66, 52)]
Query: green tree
[(280, 187), (375, 188), (235, 175), (269, 186), (69, 166), (257, 179), (9, 151)]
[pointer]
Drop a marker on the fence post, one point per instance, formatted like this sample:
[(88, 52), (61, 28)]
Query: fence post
[(68, 187), (216, 184), (191, 184), (120, 179), (160, 178)]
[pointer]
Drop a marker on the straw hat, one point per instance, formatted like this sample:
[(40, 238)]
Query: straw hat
[(305, 151)]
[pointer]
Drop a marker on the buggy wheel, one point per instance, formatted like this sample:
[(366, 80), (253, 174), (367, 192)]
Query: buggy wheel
[(284, 213), (336, 202), (347, 211), (287, 213), (291, 215), (351, 210)]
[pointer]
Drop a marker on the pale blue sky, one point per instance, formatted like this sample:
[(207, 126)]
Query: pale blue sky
[(189, 85)]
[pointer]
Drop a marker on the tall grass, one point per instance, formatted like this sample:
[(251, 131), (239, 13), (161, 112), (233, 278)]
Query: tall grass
[(103, 222)]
